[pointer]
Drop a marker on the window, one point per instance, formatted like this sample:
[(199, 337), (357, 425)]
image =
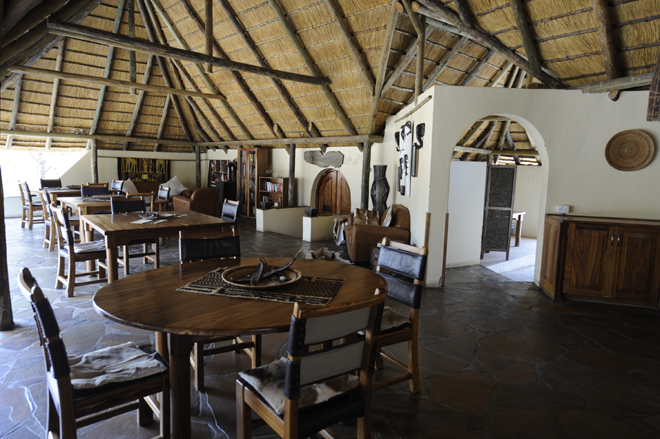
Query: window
[(33, 166)]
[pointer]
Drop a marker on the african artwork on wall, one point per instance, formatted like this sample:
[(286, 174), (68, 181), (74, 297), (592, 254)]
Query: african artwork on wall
[(407, 155), (143, 169)]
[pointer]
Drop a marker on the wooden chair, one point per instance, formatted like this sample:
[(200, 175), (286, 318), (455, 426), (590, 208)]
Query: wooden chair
[(199, 245), (135, 204), (50, 235), (91, 190), (161, 200), (311, 390), (69, 253), (403, 268), (73, 404), (96, 184), (29, 207), (116, 186), (230, 212), (50, 183)]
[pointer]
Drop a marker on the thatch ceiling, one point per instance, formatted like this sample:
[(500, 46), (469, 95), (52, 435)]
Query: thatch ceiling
[(552, 43)]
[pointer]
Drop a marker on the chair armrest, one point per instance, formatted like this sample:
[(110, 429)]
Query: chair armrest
[(182, 203), (349, 220), (187, 193), (361, 238)]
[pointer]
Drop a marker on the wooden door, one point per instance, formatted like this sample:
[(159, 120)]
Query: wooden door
[(552, 261), (589, 260), (638, 264), (334, 194)]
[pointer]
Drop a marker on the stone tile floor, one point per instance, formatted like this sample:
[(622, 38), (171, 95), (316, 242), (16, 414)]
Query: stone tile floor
[(499, 360)]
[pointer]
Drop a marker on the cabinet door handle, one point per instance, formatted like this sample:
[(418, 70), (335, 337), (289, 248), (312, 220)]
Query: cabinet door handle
[(612, 239), (618, 240)]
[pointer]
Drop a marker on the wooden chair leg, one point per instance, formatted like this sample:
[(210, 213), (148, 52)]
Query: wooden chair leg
[(165, 411), (256, 351), (379, 360), (52, 418), (413, 366), (60, 272), (243, 414), (144, 414), (30, 220), (101, 269), (198, 358), (127, 268), (23, 219), (71, 277), (156, 248)]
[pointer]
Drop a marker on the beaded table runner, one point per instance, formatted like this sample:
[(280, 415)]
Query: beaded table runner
[(311, 290)]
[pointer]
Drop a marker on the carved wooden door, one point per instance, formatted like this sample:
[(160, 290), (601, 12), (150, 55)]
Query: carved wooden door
[(334, 194)]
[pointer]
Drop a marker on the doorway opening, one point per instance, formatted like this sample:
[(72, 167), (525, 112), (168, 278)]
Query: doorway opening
[(490, 143), (331, 194)]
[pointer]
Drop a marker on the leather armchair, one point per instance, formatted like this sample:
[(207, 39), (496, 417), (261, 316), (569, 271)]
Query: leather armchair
[(361, 238), (203, 200)]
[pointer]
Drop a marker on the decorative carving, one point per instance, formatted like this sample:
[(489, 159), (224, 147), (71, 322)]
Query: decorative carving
[(380, 189), (332, 158)]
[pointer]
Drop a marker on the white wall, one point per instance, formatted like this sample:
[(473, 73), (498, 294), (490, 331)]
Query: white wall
[(570, 130), (529, 180), (467, 187)]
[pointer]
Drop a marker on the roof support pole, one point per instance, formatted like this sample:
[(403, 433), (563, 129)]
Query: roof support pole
[(366, 169), (106, 73), (14, 109), (140, 99), (526, 35), (292, 176), (208, 33), (411, 50), (95, 162), (130, 7), (6, 313), (53, 97), (420, 28), (605, 28), (163, 117), (309, 128), (332, 99)]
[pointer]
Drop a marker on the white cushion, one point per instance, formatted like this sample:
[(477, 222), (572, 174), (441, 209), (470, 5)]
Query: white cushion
[(115, 364), (129, 187), (176, 187), (269, 382)]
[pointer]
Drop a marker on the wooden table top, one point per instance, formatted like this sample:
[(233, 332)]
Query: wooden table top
[(149, 299), (113, 224), (76, 202)]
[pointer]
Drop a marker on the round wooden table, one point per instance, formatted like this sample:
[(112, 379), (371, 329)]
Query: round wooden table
[(149, 300)]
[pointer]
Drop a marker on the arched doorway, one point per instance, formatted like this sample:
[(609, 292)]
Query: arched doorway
[(333, 194)]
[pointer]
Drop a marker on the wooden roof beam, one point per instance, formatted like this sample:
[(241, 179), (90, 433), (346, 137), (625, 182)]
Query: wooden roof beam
[(605, 28), (502, 138), (440, 12), (14, 109), (351, 43), (444, 62), (309, 128), (40, 12), (420, 28), (382, 66), (475, 71), (505, 152), (353, 140), (526, 35), (403, 63), (237, 75), (56, 87), (102, 37), (163, 118), (626, 82), (512, 146), (309, 62), (102, 137), (139, 100), (464, 12)]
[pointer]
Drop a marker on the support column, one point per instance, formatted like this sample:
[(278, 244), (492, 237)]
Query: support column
[(198, 167), (292, 175), (95, 162), (366, 169), (6, 315)]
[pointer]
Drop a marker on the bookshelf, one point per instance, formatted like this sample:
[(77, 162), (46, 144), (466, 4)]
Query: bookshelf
[(252, 164), (222, 177), (275, 188)]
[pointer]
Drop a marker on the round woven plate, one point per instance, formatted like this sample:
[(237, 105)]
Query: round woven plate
[(629, 150), (232, 274)]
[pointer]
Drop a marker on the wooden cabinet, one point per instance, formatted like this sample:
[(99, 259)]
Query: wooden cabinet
[(252, 164), (602, 259), (274, 189)]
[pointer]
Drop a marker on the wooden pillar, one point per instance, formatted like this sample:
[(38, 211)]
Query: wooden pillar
[(292, 175), (6, 315), (198, 167), (366, 169), (95, 162)]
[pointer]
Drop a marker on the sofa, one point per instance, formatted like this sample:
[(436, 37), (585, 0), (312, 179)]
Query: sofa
[(361, 238), (204, 200)]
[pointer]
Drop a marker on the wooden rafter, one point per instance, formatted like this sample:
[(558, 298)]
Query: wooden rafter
[(502, 138), (512, 146), (163, 118), (309, 128), (56, 87), (139, 100), (605, 28), (14, 109), (309, 62), (475, 71), (200, 70), (420, 29), (208, 32), (440, 12), (382, 66), (102, 137), (531, 51), (108, 38), (351, 43), (403, 63), (36, 15), (130, 8), (351, 140), (444, 62), (236, 75), (464, 12), (106, 72), (627, 82)]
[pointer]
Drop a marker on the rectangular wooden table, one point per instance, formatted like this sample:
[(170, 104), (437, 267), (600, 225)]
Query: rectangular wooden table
[(59, 192), (120, 229), (86, 205)]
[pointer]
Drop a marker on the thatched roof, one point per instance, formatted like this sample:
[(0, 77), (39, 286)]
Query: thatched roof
[(476, 43)]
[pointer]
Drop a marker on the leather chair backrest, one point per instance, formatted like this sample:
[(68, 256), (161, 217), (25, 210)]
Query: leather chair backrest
[(123, 205), (163, 192), (402, 269), (196, 249), (229, 210), (93, 190), (117, 185), (50, 183), (206, 201), (400, 217)]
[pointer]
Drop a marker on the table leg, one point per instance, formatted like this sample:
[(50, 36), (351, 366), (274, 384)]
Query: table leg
[(111, 255), (518, 230), (180, 346)]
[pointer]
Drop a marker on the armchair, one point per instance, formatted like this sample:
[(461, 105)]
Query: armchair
[(361, 238), (203, 200)]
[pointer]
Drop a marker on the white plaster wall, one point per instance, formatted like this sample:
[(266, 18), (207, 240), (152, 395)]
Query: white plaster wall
[(529, 180), (467, 187), (571, 130)]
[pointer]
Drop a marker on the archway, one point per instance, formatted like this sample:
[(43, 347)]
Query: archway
[(331, 194)]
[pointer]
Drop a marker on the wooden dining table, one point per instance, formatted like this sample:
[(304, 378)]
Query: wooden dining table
[(121, 228), (150, 300), (59, 192), (86, 205)]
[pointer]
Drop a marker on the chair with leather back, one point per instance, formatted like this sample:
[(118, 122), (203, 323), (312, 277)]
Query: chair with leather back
[(230, 212), (50, 235), (70, 252), (45, 182), (361, 238), (315, 386), (162, 199), (83, 389), (91, 190), (403, 267), (204, 200), (116, 186), (198, 245), (30, 207), (135, 204)]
